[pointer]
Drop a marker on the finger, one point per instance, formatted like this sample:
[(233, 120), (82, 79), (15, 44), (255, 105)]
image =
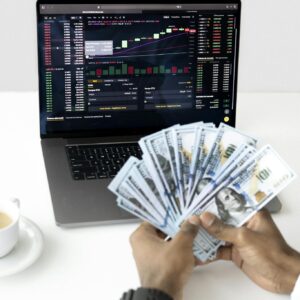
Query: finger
[(217, 228), (257, 219), (147, 228), (144, 231), (187, 232), (263, 222)]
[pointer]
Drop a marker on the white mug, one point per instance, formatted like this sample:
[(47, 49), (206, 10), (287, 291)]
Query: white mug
[(9, 235)]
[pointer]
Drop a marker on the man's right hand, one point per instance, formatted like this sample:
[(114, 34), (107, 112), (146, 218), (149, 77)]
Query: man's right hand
[(258, 249)]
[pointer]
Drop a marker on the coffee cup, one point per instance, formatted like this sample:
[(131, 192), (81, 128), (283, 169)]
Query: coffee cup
[(9, 225)]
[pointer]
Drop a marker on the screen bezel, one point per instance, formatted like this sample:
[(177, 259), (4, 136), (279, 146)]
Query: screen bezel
[(126, 131)]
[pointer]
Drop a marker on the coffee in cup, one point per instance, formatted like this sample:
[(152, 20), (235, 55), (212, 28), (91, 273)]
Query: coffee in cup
[(5, 220), (9, 225)]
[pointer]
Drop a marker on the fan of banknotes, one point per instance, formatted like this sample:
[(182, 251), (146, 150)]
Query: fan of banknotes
[(186, 170)]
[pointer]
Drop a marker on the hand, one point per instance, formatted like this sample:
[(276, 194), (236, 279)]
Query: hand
[(162, 265), (259, 250)]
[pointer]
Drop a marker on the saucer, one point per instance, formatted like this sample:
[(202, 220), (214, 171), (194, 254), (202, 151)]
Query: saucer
[(27, 250)]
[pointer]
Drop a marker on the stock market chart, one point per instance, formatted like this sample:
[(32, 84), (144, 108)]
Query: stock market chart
[(102, 65)]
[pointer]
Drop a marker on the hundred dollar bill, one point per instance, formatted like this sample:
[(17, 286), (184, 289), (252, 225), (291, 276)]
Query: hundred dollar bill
[(200, 124), (209, 125), (204, 142), (120, 187), (122, 174), (242, 155), (132, 209), (143, 182), (168, 135), (144, 179), (130, 185), (157, 187), (185, 141), (162, 220), (203, 238), (204, 257), (125, 192), (138, 190), (211, 242), (158, 160), (204, 245), (197, 149), (153, 171), (227, 141), (262, 178)]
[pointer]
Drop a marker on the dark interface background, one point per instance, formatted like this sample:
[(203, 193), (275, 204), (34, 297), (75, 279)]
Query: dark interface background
[(136, 68)]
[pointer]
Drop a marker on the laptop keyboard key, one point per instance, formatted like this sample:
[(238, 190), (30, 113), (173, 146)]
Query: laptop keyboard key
[(78, 176), (91, 157), (99, 161), (91, 176), (80, 164), (102, 175)]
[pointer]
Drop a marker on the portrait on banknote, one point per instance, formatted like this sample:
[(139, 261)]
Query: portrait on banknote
[(230, 206)]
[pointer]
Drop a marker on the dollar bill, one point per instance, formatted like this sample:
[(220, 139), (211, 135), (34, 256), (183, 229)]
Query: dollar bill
[(155, 147), (120, 187), (130, 185), (156, 176), (227, 141), (144, 179), (185, 141), (126, 193), (171, 142), (147, 189), (204, 142), (122, 174), (265, 175), (262, 178), (242, 155), (138, 191), (132, 209)]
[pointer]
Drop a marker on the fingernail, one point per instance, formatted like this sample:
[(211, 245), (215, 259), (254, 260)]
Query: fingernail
[(207, 219), (194, 220)]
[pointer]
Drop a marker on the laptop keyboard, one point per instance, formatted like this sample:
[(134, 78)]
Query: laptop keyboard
[(99, 161)]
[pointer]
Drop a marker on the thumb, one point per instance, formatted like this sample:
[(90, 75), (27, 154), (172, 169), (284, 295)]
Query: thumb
[(187, 232), (217, 228)]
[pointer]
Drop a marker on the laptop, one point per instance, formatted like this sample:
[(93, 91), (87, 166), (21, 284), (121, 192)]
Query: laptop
[(112, 73)]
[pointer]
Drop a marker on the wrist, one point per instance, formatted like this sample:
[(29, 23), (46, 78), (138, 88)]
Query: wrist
[(145, 293), (290, 264), (164, 285)]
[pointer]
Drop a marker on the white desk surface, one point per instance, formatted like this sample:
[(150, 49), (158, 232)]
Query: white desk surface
[(96, 263)]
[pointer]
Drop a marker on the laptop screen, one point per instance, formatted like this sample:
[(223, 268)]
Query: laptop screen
[(112, 69)]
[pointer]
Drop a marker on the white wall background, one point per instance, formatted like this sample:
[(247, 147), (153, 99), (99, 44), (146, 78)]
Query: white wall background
[(269, 57)]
